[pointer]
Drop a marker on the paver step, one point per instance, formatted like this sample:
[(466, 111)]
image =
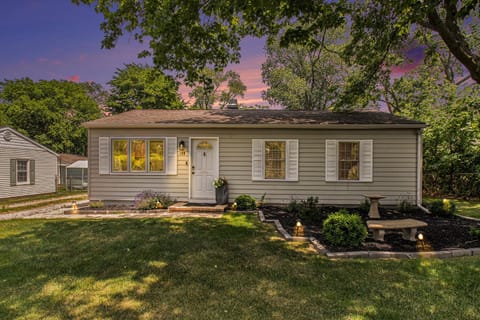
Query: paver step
[(188, 207)]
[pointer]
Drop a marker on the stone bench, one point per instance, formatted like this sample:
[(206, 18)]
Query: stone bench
[(408, 227)]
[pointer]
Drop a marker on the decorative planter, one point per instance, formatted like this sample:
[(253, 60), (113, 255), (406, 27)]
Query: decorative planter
[(221, 194)]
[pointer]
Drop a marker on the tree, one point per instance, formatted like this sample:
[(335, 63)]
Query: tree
[(143, 87), (307, 77), (452, 114), (50, 112), (206, 92), (188, 36)]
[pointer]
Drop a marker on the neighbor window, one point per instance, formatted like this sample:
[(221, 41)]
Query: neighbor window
[(138, 155), (22, 172), (275, 159), (348, 160), (156, 155)]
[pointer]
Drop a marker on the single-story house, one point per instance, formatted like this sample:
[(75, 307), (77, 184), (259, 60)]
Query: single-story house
[(337, 157), (26, 167)]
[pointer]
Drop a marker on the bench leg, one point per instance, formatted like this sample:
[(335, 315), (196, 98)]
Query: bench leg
[(378, 234), (409, 234)]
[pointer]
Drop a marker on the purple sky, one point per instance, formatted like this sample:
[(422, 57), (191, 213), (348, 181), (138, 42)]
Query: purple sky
[(55, 39)]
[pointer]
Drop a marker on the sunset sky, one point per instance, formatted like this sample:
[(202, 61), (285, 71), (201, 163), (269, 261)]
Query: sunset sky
[(55, 39)]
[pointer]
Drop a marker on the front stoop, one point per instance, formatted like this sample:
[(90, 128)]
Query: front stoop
[(182, 207)]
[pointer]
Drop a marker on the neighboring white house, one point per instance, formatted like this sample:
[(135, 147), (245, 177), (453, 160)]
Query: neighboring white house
[(337, 157), (26, 167), (76, 175)]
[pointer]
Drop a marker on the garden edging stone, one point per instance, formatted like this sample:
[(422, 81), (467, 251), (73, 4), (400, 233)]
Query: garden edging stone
[(321, 249)]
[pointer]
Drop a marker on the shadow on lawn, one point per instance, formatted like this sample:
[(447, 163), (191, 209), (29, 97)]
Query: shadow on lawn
[(215, 269)]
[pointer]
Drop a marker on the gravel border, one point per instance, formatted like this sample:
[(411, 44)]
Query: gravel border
[(321, 249)]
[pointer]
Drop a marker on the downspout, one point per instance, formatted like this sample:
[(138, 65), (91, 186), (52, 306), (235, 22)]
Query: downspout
[(420, 170)]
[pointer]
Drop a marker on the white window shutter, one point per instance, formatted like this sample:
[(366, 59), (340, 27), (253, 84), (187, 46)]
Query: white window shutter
[(331, 160), (104, 155), (366, 160), (257, 159), (292, 160), (171, 155)]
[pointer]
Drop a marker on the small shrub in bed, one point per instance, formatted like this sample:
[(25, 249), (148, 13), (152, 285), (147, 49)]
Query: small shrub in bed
[(310, 211), (294, 207), (442, 208), (343, 229), (405, 206), (149, 200), (246, 202), (475, 232)]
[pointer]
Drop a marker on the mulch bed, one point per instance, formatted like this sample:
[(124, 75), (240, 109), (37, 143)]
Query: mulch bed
[(442, 233)]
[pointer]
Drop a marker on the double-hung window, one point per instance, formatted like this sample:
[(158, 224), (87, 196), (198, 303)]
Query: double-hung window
[(274, 159), (349, 160), (23, 172)]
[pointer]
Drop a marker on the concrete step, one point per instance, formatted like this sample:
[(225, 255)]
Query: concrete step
[(186, 207)]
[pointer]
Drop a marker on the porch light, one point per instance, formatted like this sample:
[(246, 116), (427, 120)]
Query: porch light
[(181, 145)]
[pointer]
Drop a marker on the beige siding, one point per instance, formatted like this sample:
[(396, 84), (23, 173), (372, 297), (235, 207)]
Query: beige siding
[(394, 166), (45, 171)]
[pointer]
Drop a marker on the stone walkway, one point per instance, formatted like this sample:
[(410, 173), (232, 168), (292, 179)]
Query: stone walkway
[(58, 212), (40, 201)]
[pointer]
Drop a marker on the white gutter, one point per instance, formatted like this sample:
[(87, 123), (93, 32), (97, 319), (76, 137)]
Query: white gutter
[(420, 170)]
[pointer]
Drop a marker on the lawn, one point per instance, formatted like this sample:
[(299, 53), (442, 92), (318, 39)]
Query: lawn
[(468, 208), (228, 268), (36, 201)]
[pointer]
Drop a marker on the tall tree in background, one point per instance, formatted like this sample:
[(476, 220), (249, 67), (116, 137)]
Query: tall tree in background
[(187, 37), (143, 87), (206, 92), (50, 112), (305, 76), (451, 109)]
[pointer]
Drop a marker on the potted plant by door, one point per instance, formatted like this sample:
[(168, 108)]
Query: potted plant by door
[(221, 190)]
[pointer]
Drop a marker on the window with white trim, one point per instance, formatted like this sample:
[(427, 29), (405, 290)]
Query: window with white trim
[(23, 172), (137, 155), (349, 160), (274, 159)]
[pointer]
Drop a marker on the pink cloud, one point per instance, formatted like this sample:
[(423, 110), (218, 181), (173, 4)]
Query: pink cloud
[(74, 78)]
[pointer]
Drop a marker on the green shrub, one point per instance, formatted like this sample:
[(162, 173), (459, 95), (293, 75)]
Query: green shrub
[(310, 210), (443, 207), (245, 202), (475, 232), (294, 206), (343, 229), (96, 205), (404, 206), (364, 206)]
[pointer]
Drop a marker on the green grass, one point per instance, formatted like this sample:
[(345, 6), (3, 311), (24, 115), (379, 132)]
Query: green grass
[(43, 200), (466, 208), (63, 193), (229, 268)]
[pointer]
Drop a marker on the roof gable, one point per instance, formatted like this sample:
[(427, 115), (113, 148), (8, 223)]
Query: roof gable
[(10, 138)]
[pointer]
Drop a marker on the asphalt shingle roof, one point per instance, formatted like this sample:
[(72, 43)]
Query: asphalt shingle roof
[(248, 118)]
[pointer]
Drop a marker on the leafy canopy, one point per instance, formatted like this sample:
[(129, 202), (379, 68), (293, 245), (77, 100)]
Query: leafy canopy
[(50, 112), (188, 36), (143, 87)]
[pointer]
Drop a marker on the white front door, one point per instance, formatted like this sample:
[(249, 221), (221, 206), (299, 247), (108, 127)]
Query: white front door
[(204, 169)]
